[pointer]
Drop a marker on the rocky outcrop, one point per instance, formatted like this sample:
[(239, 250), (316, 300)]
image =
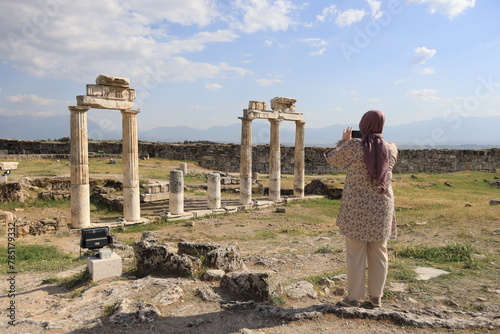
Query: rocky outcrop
[(151, 257), (325, 187), (249, 285), (128, 313)]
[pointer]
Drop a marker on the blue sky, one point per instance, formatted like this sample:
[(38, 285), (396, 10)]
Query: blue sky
[(198, 62)]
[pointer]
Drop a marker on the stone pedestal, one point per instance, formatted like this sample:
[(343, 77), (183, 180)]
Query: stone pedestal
[(104, 268), (246, 162), (131, 191), (214, 196), (275, 162), (299, 160), (176, 192), (79, 168)]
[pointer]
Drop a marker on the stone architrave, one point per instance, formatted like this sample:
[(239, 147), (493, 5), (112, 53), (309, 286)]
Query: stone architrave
[(299, 160), (246, 162), (176, 192), (275, 162), (111, 92), (213, 187), (257, 105), (103, 103), (79, 168), (131, 190)]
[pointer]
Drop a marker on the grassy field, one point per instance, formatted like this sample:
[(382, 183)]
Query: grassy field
[(445, 221)]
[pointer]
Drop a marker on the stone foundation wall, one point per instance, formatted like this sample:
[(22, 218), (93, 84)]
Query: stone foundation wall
[(226, 157)]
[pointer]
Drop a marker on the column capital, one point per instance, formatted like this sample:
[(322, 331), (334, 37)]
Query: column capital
[(245, 119), (78, 108), (300, 122), (129, 112)]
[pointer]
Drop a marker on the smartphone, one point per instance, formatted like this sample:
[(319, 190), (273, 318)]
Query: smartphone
[(356, 134)]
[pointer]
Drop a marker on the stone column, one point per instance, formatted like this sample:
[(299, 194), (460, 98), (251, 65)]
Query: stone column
[(299, 163), (246, 162), (176, 192), (275, 162), (214, 197), (79, 168), (184, 168), (131, 191)]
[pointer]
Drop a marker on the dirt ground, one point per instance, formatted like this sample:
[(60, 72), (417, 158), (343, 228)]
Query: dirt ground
[(286, 245)]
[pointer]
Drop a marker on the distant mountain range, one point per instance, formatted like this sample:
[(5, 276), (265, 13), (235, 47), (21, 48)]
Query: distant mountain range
[(472, 132)]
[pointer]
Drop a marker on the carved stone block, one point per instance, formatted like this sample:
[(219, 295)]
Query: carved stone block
[(109, 80), (111, 92), (257, 105), (283, 104)]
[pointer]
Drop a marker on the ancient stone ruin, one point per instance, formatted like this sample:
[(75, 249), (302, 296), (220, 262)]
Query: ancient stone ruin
[(283, 109), (108, 93)]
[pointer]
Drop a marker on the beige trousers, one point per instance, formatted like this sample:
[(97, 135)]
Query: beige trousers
[(360, 254)]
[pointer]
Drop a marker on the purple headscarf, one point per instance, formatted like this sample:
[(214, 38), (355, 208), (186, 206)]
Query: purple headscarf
[(376, 156)]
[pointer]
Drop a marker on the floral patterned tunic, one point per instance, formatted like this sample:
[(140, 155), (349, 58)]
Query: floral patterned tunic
[(365, 214)]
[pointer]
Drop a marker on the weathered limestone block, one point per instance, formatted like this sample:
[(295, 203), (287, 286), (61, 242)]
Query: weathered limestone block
[(8, 165), (149, 254), (153, 257), (283, 104), (197, 249), (7, 218), (257, 105), (110, 92), (109, 80), (103, 103), (128, 313), (227, 258), (184, 265), (11, 192), (212, 275), (249, 285), (325, 187), (300, 290)]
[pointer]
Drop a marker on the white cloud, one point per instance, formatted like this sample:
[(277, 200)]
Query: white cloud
[(314, 42), (375, 8), (349, 17), (264, 15), (449, 8), (268, 42), (400, 81), (214, 86), (318, 52), (327, 11), (77, 40), (30, 98), (421, 55), (426, 95), (268, 82), (428, 70)]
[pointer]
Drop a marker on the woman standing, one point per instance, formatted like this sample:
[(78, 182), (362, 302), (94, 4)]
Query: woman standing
[(366, 217)]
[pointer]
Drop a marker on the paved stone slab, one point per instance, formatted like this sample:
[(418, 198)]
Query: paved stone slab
[(426, 273)]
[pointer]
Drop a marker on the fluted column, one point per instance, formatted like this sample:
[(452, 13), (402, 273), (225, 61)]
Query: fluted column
[(246, 162), (299, 163), (79, 168), (131, 191), (275, 162)]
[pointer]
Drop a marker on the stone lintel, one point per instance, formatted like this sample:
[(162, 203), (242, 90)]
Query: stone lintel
[(109, 80), (253, 114), (79, 108), (8, 165), (111, 92), (102, 103)]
